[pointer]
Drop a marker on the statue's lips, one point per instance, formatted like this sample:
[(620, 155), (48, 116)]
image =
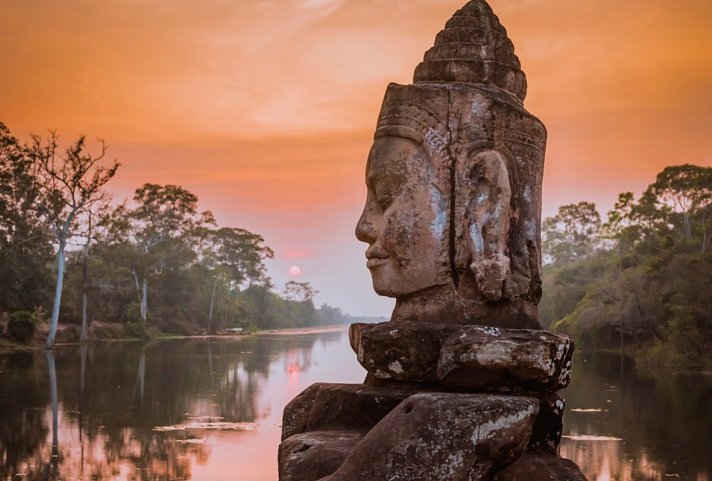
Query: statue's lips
[(375, 262), (376, 256)]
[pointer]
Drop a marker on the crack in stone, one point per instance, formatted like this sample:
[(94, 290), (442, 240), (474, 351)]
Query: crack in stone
[(453, 187)]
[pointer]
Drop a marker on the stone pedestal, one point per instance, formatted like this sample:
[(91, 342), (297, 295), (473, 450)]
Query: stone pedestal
[(441, 402)]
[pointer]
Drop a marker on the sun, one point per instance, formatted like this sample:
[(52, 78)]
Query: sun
[(295, 271)]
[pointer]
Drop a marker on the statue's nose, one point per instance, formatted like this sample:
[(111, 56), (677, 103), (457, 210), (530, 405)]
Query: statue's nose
[(365, 229)]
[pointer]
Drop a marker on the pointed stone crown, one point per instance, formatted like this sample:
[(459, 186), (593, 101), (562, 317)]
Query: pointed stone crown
[(474, 48)]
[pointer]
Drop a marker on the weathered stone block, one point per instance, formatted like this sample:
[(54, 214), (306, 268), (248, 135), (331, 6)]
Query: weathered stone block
[(324, 407), (296, 413), (438, 436), (536, 466), (501, 360), (353, 406), (311, 456), (549, 424), (471, 358), (403, 351)]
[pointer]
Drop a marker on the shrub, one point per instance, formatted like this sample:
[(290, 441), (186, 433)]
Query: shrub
[(178, 327), (131, 313), (104, 331), (21, 326), (135, 330)]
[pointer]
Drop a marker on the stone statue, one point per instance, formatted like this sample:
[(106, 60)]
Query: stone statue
[(463, 384), (454, 184)]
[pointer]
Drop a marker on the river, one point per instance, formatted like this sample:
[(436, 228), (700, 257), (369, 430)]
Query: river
[(210, 409)]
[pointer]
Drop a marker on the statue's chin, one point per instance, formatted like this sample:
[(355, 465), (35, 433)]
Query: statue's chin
[(382, 290), (391, 280), (397, 288)]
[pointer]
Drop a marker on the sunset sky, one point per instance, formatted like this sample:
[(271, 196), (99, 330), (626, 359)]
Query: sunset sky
[(266, 108)]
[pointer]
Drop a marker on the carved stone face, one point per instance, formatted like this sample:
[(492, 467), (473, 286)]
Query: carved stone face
[(454, 184), (404, 221)]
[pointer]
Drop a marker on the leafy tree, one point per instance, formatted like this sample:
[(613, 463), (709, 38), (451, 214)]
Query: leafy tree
[(235, 256), (331, 316), (92, 222), (684, 193), (21, 326), (71, 185), (299, 291), (573, 233), (565, 285), (25, 240), (160, 230)]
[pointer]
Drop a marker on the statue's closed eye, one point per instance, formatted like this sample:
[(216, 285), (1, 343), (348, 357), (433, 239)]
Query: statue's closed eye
[(384, 200)]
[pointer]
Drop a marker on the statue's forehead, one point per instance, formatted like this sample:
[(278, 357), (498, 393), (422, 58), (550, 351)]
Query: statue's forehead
[(395, 155)]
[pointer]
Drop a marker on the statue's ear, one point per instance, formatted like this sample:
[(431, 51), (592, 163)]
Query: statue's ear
[(483, 214)]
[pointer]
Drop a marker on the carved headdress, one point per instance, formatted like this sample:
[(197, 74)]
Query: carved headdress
[(474, 48)]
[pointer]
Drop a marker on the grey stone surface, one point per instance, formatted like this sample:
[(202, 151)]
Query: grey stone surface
[(296, 414), (472, 358), (537, 466), (324, 407), (453, 437), (402, 351), (549, 424), (486, 359), (313, 455)]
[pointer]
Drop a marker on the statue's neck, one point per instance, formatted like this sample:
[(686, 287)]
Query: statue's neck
[(442, 305), (434, 304)]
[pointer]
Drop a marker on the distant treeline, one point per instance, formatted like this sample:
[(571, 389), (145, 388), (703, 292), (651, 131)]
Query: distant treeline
[(154, 263), (641, 280)]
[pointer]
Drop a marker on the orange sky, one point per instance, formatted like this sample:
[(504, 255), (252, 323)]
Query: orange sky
[(265, 108)]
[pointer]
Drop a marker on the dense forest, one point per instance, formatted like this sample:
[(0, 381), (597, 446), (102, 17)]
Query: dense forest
[(640, 281), (153, 264)]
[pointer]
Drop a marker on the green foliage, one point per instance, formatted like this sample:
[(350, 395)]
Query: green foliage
[(25, 240), (332, 316), (565, 286), (267, 310), (131, 313), (135, 330), (573, 233), (107, 332), (21, 326), (649, 290)]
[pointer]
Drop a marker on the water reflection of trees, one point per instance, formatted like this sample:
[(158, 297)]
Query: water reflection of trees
[(111, 396), (23, 398), (664, 423)]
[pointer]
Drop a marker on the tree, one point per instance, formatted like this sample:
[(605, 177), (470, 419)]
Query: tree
[(162, 228), (299, 291), (684, 193), (91, 223), (71, 184), (25, 241), (234, 256), (573, 233)]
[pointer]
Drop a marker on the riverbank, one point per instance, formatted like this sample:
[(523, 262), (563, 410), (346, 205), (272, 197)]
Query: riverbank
[(38, 341), (303, 330)]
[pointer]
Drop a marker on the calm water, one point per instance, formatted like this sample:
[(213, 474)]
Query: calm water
[(211, 409)]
